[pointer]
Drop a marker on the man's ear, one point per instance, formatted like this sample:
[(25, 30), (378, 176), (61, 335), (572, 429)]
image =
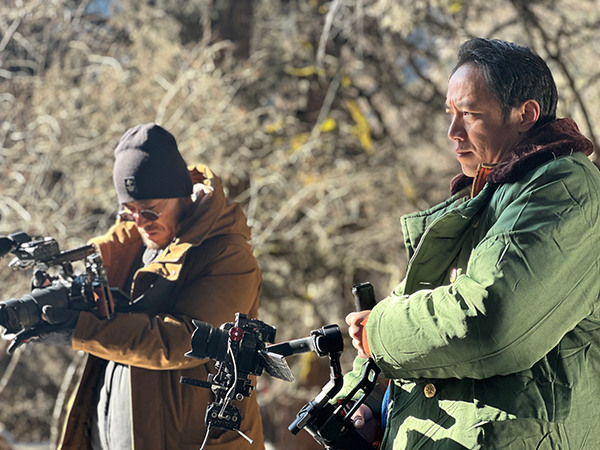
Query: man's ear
[(529, 113)]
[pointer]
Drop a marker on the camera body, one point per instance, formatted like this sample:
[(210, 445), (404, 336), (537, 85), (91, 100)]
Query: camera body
[(239, 350), (245, 339), (87, 291)]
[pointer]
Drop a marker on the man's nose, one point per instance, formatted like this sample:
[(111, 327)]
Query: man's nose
[(456, 131)]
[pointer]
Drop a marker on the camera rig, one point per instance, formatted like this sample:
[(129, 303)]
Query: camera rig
[(87, 291), (240, 350), (331, 424)]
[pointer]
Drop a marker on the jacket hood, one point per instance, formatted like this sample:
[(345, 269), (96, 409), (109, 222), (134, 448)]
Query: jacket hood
[(213, 213), (560, 137)]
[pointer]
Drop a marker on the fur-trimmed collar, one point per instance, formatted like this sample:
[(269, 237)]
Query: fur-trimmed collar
[(560, 137)]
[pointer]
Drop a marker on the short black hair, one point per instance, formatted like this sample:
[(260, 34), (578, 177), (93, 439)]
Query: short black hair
[(513, 74)]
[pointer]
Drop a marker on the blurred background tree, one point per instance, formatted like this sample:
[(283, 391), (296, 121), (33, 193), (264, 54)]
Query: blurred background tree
[(325, 120)]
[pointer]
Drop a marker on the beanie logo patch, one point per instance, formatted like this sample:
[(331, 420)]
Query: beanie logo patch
[(130, 185)]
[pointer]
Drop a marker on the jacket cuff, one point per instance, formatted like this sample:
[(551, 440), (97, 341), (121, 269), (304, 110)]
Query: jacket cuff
[(82, 329)]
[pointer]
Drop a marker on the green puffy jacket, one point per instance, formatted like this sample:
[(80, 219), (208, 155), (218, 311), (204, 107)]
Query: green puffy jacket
[(492, 341)]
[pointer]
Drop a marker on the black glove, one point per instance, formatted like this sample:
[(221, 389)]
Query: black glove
[(62, 321), (40, 279)]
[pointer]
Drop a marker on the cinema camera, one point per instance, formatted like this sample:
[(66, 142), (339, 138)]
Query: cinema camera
[(87, 291), (240, 350)]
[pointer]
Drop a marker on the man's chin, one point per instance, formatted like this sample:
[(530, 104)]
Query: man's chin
[(468, 170), (152, 245)]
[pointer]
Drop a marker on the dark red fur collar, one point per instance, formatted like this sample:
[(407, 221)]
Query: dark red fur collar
[(557, 138)]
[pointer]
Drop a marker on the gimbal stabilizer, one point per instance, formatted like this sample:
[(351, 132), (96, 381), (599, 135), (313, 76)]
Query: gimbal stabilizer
[(329, 424), (240, 351)]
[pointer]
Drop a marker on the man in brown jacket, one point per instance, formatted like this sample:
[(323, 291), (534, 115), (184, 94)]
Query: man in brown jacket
[(180, 249)]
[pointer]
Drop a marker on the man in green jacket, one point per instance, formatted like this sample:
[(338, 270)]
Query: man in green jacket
[(492, 340)]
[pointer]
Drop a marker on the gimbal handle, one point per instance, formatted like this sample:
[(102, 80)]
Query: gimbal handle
[(325, 341), (331, 425)]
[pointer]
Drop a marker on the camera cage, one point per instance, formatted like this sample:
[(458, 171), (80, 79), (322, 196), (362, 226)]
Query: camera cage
[(88, 291)]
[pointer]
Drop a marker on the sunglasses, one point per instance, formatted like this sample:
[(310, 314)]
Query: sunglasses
[(147, 214)]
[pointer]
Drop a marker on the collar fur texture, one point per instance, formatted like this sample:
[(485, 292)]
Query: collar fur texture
[(560, 137)]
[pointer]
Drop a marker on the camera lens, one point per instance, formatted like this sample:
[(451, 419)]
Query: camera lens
[(26, 312), (19, 313), (208, 342)]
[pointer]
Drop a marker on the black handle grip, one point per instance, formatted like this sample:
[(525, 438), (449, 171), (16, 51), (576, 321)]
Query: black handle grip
[(294, 347), (364, 296)]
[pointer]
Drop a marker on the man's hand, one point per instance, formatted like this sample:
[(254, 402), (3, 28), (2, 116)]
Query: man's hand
[(64, 321), (60, 316), (355, 323), (365, 423)]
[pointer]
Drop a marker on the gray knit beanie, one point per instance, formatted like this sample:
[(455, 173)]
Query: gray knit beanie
[(148, 165)]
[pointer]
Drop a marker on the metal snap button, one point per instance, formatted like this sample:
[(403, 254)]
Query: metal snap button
[(429, 390)]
